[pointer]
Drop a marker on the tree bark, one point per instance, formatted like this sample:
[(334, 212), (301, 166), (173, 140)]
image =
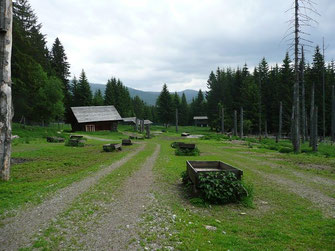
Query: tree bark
[(6, 109), (303, 108), (241, 123), (296, 127), (323, 93), (311, 117), (235, 123)]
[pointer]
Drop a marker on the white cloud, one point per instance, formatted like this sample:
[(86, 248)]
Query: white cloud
[(146, 43)]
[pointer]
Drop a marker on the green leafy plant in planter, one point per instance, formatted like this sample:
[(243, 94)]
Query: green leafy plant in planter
[(187, 152), (223, 188)]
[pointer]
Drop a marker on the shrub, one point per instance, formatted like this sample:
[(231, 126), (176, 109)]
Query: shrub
[(187, 152), (285, 150), (75, 143), (222, 188)]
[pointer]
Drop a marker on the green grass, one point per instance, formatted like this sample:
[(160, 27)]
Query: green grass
[(48, 167), (286, 221), (90, 205)]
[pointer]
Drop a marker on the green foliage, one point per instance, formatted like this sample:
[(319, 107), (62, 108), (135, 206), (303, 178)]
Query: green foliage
[(221, 188), (98, 99), (187, 152), (75, 143), (165, 108), (284, 149)]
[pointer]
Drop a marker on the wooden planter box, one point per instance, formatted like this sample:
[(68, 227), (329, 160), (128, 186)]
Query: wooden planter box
[(184, 146), (194, 168), (77, 137), (55, 139), (126, 142), (112, 147)]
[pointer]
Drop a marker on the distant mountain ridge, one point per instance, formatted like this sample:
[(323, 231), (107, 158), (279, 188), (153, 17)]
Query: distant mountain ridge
[(147, 96)]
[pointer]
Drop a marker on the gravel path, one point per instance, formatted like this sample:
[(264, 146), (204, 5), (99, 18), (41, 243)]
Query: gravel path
[(17, 231), (101, 139), (319, 199), (117, 227)]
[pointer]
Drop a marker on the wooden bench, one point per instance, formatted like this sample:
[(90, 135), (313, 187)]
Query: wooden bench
[(126, 142)]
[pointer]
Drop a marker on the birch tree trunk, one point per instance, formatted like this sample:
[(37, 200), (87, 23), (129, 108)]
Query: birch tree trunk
[(6, 110)]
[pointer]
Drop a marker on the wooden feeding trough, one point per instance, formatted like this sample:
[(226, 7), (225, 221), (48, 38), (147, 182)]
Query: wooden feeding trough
[(194, 168), (112, 147), (77, 137), (126, 142), (184, 146), (55, 139)]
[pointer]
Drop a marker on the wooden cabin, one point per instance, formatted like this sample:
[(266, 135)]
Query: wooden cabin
[(200, 121), (95, 118)]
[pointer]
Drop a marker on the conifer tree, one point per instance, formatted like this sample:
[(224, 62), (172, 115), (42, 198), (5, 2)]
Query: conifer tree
[(98, 99), (184, 113), (84, 91), (165, 106)]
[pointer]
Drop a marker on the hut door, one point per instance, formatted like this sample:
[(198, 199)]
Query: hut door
[(90, 128)]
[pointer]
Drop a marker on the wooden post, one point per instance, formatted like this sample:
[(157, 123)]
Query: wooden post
[(241, 123), (147, 128), (333, 115), (136, 124), (315, 130), (280, 120), (176, 120), (235, 123), (222, 120), (6, 109), (142, 126)]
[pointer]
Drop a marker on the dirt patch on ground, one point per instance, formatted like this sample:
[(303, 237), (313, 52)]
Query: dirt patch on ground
[(17, 231), (316, 167), (15, 161), (117, 226)]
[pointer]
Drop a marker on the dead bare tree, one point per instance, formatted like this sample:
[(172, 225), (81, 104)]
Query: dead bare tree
[(241, 123), (235, 123), (323, 93), (303, 106), (280, 120), (6, 109), (311, 117), (299, 20)]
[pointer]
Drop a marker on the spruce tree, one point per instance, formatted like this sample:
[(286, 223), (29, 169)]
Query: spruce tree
[(184, 113), (84, 90), (98, 99), (165, 106)]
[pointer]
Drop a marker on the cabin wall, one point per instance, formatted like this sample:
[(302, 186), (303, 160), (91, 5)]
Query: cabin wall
[(95, 126)]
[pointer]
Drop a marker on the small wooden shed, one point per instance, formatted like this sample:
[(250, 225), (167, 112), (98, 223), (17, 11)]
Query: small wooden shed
[(200, 121), (129, 121), (95, 118)]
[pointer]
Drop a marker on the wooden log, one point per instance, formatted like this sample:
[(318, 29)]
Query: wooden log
[(112, 147), (187, 146), (126, 142), (6, 109)]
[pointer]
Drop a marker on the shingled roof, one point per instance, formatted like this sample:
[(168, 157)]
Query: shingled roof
[(86, 114), (200, 117), (130, 119)]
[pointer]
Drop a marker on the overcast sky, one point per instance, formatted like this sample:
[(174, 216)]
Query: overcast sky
[(146, 43)]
